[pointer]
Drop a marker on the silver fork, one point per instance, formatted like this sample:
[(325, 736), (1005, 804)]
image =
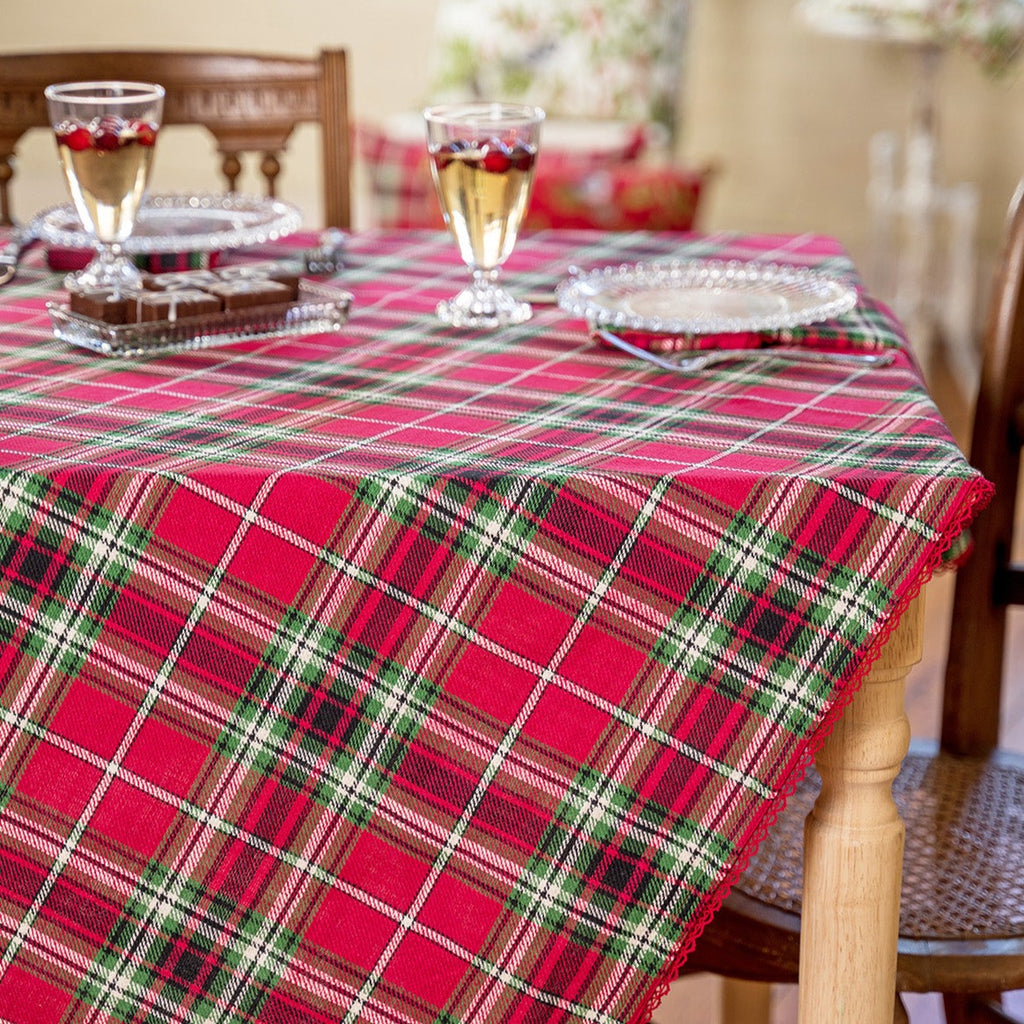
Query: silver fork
[(711, 357)]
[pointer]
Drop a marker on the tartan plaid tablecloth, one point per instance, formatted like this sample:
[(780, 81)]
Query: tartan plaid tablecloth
[(418, 676)]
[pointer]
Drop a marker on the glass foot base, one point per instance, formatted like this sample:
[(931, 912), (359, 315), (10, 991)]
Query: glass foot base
[(483, 306), (107, 270)]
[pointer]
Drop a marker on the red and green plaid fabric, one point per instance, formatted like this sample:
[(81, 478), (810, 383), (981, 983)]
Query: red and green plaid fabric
[(420, 676)]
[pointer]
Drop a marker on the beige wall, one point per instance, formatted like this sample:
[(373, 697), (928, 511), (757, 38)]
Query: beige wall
[(786, 113), (791, 113)]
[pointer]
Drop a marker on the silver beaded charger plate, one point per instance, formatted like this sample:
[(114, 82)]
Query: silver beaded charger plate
[(704, 297), (183, 223)]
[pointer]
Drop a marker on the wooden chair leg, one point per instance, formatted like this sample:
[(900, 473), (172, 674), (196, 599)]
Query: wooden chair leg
[(746, 1002)]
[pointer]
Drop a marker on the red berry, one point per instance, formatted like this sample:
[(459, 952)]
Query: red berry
[(496, 157), (522, 158), (444, 155), (108, 133), (144, 132), (75, 137)]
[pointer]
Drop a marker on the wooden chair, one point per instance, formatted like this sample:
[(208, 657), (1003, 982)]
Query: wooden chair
[(250, 104), (962, 905)]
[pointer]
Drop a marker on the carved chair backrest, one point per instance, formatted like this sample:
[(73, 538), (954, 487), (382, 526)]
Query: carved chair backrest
[(990, 581), (250, 104)]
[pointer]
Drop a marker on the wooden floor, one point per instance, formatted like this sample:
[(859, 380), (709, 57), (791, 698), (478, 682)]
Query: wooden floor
[(696, 1000)]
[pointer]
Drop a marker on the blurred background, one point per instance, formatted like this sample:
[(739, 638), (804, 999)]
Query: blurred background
[(785, 112)]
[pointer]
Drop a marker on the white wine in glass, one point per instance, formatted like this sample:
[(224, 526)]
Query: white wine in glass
[(482, 159), (106, 136)]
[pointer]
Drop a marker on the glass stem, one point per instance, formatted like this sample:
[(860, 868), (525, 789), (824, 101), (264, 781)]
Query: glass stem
[(484, 280)]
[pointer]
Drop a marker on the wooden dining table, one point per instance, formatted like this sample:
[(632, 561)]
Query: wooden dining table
[(399, 673)]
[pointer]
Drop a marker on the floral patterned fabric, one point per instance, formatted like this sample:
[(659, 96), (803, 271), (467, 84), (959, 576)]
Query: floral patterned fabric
[(991, 31), (576, 58)]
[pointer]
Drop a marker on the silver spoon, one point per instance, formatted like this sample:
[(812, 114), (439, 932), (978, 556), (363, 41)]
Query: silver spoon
[(711, 357)]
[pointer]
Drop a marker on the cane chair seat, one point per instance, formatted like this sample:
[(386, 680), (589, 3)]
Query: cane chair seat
[(963, 876)]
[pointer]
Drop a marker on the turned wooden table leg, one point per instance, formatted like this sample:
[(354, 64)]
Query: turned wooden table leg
[(853, 849)]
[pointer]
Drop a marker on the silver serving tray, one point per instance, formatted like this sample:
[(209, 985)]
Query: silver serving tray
[(704, 296)]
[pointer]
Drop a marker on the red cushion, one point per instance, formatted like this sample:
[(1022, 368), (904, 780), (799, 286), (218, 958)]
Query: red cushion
[(619, 197), (399, 175), (399, 179)]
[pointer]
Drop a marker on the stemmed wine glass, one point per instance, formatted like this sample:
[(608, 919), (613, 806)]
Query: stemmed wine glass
[(482, 160), (106, 133)]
